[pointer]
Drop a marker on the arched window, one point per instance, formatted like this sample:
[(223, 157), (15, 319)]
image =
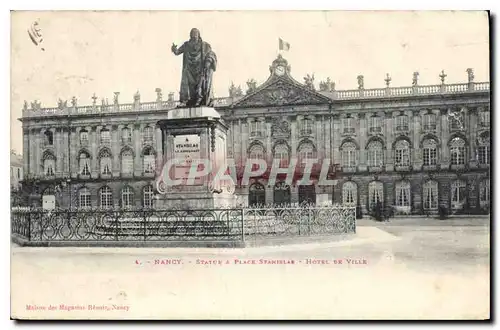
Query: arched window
[(256, 152), (306, 151), (127, 162), (126, 136), (49, 164), (105, 136), (147, 134), (281, 153), (349, 193), (127, 197), (403, 194), (105, 162), (84, 163), (484, 193), (105, 197), (84, 137), (349, 154), (457, 151), (375, 154), (149, 161), (430, 195), (484, 149), (458, 194), (430, 152), (49, 138), (84, 198), (375, 193), (402, 153), (147, 196)]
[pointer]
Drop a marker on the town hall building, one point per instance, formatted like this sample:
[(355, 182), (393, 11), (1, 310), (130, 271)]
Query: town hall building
[(414, 148)]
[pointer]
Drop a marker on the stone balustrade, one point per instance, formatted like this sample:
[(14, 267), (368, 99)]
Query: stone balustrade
[(374, 93)]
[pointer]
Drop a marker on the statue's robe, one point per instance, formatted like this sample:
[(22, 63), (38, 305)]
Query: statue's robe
[(196, 82)]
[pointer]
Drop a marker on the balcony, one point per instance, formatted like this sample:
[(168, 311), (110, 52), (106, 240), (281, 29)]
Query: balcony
[(375, 130), (375, 169), (105, 175), (348, 169), (429, 128), (402, 168), (457, 167), (256, 134), (348, 131), (404, 129), (433, 167), (305, 132)]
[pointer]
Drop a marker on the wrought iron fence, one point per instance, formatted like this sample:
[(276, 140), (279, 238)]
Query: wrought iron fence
[(298, 220), (229, 224)]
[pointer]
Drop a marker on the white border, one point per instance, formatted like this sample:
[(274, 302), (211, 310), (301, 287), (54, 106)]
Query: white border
[(186, 5)]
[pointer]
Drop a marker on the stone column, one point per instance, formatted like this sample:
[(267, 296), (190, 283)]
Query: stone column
[(445, 135), (294, 137), (415, 128), (59, 153), (37, 152), (159, 147), (328, 138), (336, 121), (471, 128), (362, 132), (115, 150), (26, 151), (73, 143), (137, 140), (93, 140), (388, 129), (269, 143)]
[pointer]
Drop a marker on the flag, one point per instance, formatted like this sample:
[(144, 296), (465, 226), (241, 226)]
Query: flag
[(284, 45)]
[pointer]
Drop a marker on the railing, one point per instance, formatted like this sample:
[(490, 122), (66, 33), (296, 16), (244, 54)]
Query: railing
[(223, 224), (226, 101)]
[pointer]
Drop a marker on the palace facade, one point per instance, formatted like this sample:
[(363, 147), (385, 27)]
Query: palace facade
[(414, 148)]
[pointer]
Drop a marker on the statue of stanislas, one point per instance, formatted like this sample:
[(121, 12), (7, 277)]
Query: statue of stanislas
[(198, 65)]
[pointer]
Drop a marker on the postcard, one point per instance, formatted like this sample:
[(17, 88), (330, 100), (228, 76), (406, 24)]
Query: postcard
[(243, 165)]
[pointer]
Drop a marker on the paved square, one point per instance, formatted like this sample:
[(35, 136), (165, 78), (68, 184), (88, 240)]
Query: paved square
[(412, 269)]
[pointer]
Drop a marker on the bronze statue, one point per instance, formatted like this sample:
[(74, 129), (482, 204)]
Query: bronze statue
[(199, 64)]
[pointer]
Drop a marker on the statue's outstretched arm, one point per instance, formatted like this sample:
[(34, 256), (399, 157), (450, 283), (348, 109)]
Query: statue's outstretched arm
[(177, 51)]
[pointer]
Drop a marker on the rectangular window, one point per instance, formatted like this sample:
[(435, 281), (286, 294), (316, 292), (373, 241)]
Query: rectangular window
[(375, 125), (126, 136), (348, 125), (402, 123), (485, 118), (105, 137), (84, 138), (429, 122)]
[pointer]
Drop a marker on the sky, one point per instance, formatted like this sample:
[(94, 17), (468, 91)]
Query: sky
[(129, 51)]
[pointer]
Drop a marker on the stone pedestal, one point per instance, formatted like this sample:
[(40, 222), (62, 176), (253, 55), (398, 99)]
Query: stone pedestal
[(195, 134)]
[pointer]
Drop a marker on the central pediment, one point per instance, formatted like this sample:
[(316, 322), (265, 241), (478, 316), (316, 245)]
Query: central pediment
[(281, 89), (279, 93)]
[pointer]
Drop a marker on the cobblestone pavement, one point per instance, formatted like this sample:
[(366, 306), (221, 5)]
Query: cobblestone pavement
[(423, 272)]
